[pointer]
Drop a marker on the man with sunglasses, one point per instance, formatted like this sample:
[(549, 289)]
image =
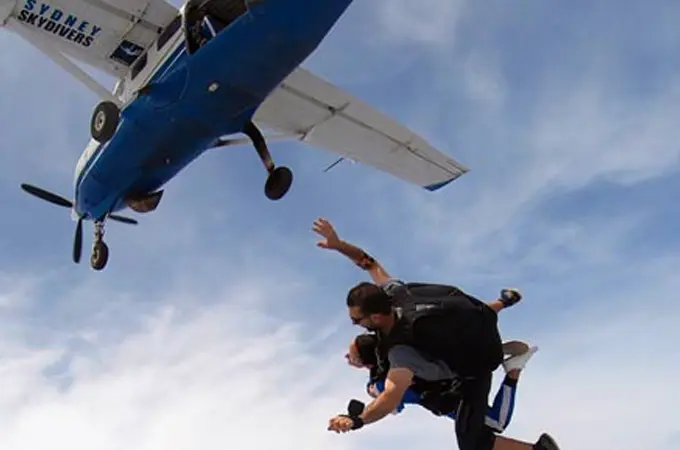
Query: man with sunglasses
[(413, 322)]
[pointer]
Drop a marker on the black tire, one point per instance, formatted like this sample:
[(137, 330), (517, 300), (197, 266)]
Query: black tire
[(278, 183), (104, 121), (100, 255)]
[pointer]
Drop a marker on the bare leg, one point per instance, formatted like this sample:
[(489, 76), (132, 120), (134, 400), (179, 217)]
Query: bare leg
[(545, 442), (496, 305), (513, 374), (503, 443), (509, 297)]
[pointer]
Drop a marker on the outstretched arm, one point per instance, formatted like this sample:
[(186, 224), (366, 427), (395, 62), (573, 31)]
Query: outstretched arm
[(396, 384), (357, 255), (374, 389)]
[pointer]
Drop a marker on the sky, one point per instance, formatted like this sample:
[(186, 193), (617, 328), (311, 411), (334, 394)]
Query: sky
[(218, 322)]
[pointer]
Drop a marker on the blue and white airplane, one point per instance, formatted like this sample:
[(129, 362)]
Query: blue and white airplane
[(193, 79)]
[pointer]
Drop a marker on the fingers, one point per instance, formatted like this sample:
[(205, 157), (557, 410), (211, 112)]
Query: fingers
[(318, 227), (322, 224), (339, 425), (322, 227), (333, 425)]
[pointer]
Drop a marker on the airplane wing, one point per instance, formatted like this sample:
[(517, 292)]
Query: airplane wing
[(105, 34), (325, 116)]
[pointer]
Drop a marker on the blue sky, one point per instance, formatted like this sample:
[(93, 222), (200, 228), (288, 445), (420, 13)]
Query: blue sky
[(218, 321)]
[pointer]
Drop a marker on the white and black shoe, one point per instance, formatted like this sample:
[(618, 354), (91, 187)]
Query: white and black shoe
[(510, 297), (546, 442), (519, 361)]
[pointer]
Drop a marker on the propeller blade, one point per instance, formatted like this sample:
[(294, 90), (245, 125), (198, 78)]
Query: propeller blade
[(123, 219), (47, 196), (78, 241)]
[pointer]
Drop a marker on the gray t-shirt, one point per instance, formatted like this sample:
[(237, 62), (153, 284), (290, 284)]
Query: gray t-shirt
[(409, 358), (403, 356)]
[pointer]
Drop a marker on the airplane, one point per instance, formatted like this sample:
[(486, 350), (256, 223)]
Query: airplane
[(206, 75)]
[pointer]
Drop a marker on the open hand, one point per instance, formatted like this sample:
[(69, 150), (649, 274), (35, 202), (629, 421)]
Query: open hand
[(325, 229), (340, 424)]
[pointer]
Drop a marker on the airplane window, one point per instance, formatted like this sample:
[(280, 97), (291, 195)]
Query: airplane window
[(168, 32), (139, 65)]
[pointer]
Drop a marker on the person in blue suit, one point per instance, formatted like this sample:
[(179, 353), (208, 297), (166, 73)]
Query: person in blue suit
[(362, 355)]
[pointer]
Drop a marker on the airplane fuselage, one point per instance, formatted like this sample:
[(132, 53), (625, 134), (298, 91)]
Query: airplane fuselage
[(192, 100)]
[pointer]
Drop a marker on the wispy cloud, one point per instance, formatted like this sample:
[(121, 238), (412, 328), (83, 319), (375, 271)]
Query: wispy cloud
[(191, 376), (218, 321)]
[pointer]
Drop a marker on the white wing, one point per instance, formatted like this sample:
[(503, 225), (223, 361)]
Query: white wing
[(106, 34), (327, 117)]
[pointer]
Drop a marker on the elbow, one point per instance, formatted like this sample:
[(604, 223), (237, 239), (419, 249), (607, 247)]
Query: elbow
[(391, 402)]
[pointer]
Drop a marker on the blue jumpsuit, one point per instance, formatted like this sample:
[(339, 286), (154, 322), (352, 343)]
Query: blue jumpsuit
[(499, 414)]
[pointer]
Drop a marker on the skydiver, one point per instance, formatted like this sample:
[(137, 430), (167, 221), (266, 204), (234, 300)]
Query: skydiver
[(362, 354), (418, 319)]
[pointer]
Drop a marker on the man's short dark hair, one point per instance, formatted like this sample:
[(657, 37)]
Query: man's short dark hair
[(370, 298), (366, 348)]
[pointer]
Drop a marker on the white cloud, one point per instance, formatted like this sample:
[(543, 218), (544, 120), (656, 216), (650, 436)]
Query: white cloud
[(209, 358), (483, 79), (564, 131), (191, 377), (431, 22), (196, 377), (602, 373), (587, 131)]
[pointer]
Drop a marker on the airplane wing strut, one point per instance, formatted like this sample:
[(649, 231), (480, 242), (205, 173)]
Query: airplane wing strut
[(65, 63)]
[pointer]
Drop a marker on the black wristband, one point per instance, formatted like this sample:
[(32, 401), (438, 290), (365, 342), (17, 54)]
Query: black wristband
[(366, 261)]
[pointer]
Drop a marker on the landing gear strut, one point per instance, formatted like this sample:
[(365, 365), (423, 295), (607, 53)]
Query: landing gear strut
[(280, 178), (100, 251)]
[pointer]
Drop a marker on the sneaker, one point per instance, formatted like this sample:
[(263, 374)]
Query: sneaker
[(546, 442), (515, 348), (510, 297), (519, 361)]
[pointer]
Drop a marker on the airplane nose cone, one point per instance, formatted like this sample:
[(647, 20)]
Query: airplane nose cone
[(91, 194)]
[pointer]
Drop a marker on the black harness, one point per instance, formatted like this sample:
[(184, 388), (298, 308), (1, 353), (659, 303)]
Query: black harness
[(440, 397)]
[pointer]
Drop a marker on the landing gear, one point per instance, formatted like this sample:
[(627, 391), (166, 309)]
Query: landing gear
[(100, 251), (104, 122), (280, 179), (278, 183)]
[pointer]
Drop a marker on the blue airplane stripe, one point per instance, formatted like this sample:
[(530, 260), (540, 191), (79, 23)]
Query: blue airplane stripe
[(439, 185), (162, 70)]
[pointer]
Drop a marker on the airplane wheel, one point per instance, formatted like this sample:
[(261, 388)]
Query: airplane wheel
[(278, 183), (104, 121), (100, 255)]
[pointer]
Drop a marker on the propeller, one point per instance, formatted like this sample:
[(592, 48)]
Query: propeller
[(47, 196), (122, 219), (78, 241), (61, 201)]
